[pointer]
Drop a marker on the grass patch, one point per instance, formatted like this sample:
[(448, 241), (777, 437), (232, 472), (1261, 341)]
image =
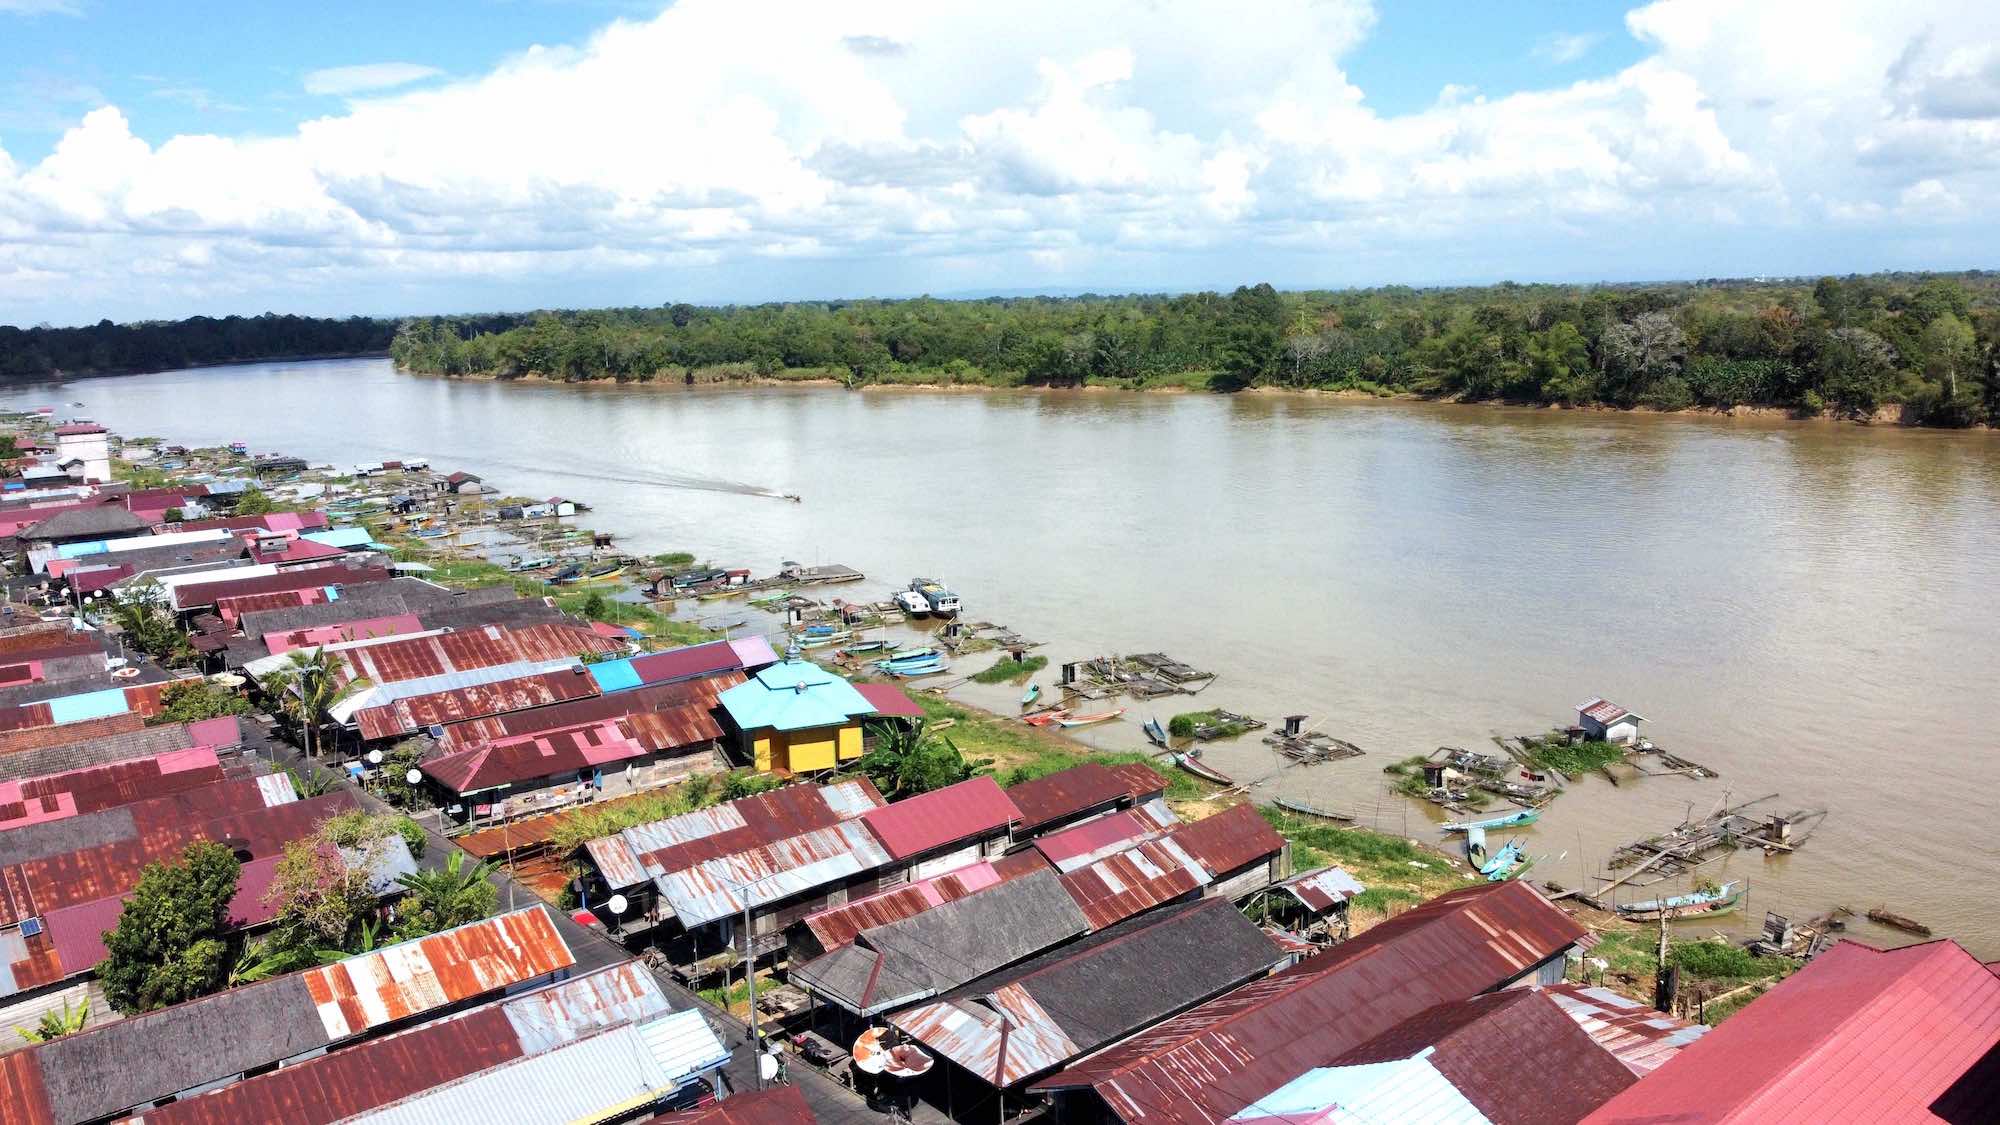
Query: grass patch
[(1007, 668), (595, 606), (1395, 870), (1380, 900), (1554, 752), (675, 558), (1022, 753), (1715, 961), (1186, 723)]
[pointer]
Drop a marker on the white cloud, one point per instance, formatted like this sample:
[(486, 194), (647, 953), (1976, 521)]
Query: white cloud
[(41, 7), (1565, 47), (726, 151), (341, 81)]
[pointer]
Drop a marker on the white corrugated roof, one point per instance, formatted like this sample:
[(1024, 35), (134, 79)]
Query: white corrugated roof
[(587, 1080), (683, 1044), (1404, 1090)]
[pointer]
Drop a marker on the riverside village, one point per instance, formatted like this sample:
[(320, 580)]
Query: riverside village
[(378, 793)]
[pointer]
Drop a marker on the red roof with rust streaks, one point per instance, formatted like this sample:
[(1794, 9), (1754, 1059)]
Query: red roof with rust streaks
[(301, 578), (378, 988), (1213, 1060), (968, 810), (639, 701), (888, 699), (23, 1098), (570, 749), (42, 737), (466, 650), (142, 700), (455, 705), (233, 609), (1065, 793), (778, 1105), (1230, 839), (1859, 1034), (683, 663), (53, 797), (1094, 839)]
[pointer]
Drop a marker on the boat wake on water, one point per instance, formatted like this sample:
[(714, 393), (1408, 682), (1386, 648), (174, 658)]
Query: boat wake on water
[(652, 480)]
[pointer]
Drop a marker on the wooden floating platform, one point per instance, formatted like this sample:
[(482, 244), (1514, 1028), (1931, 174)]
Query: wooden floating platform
[(1149, 675), (1304, 809), (1312, 748), (1227, 724)]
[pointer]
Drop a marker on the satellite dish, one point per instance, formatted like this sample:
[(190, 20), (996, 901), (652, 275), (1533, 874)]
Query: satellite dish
[(617, 904), (374, 757), (767, 1066), (414, 776)]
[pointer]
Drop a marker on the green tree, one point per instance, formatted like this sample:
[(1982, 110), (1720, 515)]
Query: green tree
[(171, 941), (306, 686), (254, 502), (447, 897), (907, 760), (143, 613), (1951, 351), (191, 701), (56, 1024), (1559, 365)]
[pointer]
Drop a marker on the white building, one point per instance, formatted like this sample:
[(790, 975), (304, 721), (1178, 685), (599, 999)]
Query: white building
[(1601, 718), (83, 449)]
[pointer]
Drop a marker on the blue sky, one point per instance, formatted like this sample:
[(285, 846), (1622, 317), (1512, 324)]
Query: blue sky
[(387, 158)]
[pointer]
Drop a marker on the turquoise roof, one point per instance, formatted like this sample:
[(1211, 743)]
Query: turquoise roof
[(794, 695), (346, 538)]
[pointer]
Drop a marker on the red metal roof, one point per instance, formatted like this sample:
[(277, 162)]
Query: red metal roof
[(1213, 1060), (466, 650), (888, 699), (1064, 793), (1230, 839), (777, 1105), (1126, 883), (1859, 1034), (56, 796), (1604, 711), (1093, 840), (78, 429), (195, 594), (687, 663), (968, 810), (570, 749), (416, 712), (1637, 1035)]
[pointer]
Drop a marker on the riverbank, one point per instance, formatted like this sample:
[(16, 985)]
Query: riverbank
[(1194, 383)]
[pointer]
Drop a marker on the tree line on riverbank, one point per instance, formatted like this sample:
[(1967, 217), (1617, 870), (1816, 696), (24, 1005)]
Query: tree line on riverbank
[(1845, 345), (105, 348)]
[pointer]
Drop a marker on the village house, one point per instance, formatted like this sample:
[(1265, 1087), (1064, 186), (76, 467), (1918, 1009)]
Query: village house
[(83, 451), (462, 484), (1601, 719), (796, 717)]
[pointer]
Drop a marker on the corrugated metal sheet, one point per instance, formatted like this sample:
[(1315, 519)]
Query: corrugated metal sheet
[(627, 705), (529, 757), (1322, 889), (378, 988), (970, 809), (615, 861), (467, 650), (771, 872), (52, 797), (1003, 1040), (1636, 1035), (684, 1044), (1230, 839), (1859, 1034), (773, 1105), (1087, 843), (413, 714), (592, 1079), (851, 798), (1137, 879), (24, 1100), (1409, 1090), (679, 842), (562, 1013), (381, 695), (1215, 1059), (1065, 793), (839, 925)]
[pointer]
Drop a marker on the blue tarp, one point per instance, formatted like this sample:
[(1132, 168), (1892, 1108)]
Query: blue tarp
[(614, 675), (90, 705)]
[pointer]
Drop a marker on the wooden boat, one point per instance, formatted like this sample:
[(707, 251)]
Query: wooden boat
[(1508, 820), (1155, 733), (1496, 866), (567, 574), (1206, 773), (1087, 720), (821, 640), (924, 666), (1720, 900), (542, 563), (1033, 693), (1303, 809), (1907, 925), (1044, 718), (604, 573), (863, 648)]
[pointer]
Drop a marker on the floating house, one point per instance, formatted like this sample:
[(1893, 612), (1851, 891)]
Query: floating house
[(1605, 720)]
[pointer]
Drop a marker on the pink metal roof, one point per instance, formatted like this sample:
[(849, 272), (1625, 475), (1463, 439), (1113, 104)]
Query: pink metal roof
[(967, 810), (1091, 841), (364, 629), (1217, 1058), (1604, 711), (888, 699), (1859, 1035), (547, 754), (54, 797)]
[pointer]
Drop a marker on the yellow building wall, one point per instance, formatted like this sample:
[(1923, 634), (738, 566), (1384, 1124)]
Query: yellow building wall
[(802, 751)]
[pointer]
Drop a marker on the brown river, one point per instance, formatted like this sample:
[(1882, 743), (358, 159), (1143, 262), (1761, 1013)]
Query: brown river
[(1812, 610)]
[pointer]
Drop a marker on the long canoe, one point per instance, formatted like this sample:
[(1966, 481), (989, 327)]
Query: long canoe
[(1303, 809), (1508, 820), (1044, 718), (1086, 720), (1033, 693), (1155, 733), (1698, 904), (1206, 773)]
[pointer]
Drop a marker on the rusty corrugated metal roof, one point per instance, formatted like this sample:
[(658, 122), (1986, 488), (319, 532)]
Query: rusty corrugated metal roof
[(416, 712), (660, 697), (1091, 841), (1230, 839), (1137, 879), (392, 984), (1065, 793), (716, 888), (839, 925), (1320, 889), (1638, 1036), (662, 846), (413, 658), (1213, 1060)]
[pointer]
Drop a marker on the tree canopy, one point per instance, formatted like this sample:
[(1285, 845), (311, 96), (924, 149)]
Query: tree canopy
[(171, 941), (1930, 342)]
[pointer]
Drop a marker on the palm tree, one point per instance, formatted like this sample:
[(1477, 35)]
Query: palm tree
[(307, 686), (55, 1025), (450, 896)]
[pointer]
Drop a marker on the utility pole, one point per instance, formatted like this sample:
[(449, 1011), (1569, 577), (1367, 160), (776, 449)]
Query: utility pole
[(750, 980)]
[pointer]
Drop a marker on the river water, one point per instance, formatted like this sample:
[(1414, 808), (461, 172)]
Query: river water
[(1811, 610)]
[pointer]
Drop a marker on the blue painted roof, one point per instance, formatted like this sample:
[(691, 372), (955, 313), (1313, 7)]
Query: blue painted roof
[(89, 705), (346, 538), (614, 675), (794, 695)]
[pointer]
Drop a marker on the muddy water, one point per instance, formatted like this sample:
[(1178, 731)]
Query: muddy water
[(1812, 610)]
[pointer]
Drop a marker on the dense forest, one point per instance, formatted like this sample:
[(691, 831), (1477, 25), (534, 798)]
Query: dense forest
[(1929, 343), (105, 348)]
